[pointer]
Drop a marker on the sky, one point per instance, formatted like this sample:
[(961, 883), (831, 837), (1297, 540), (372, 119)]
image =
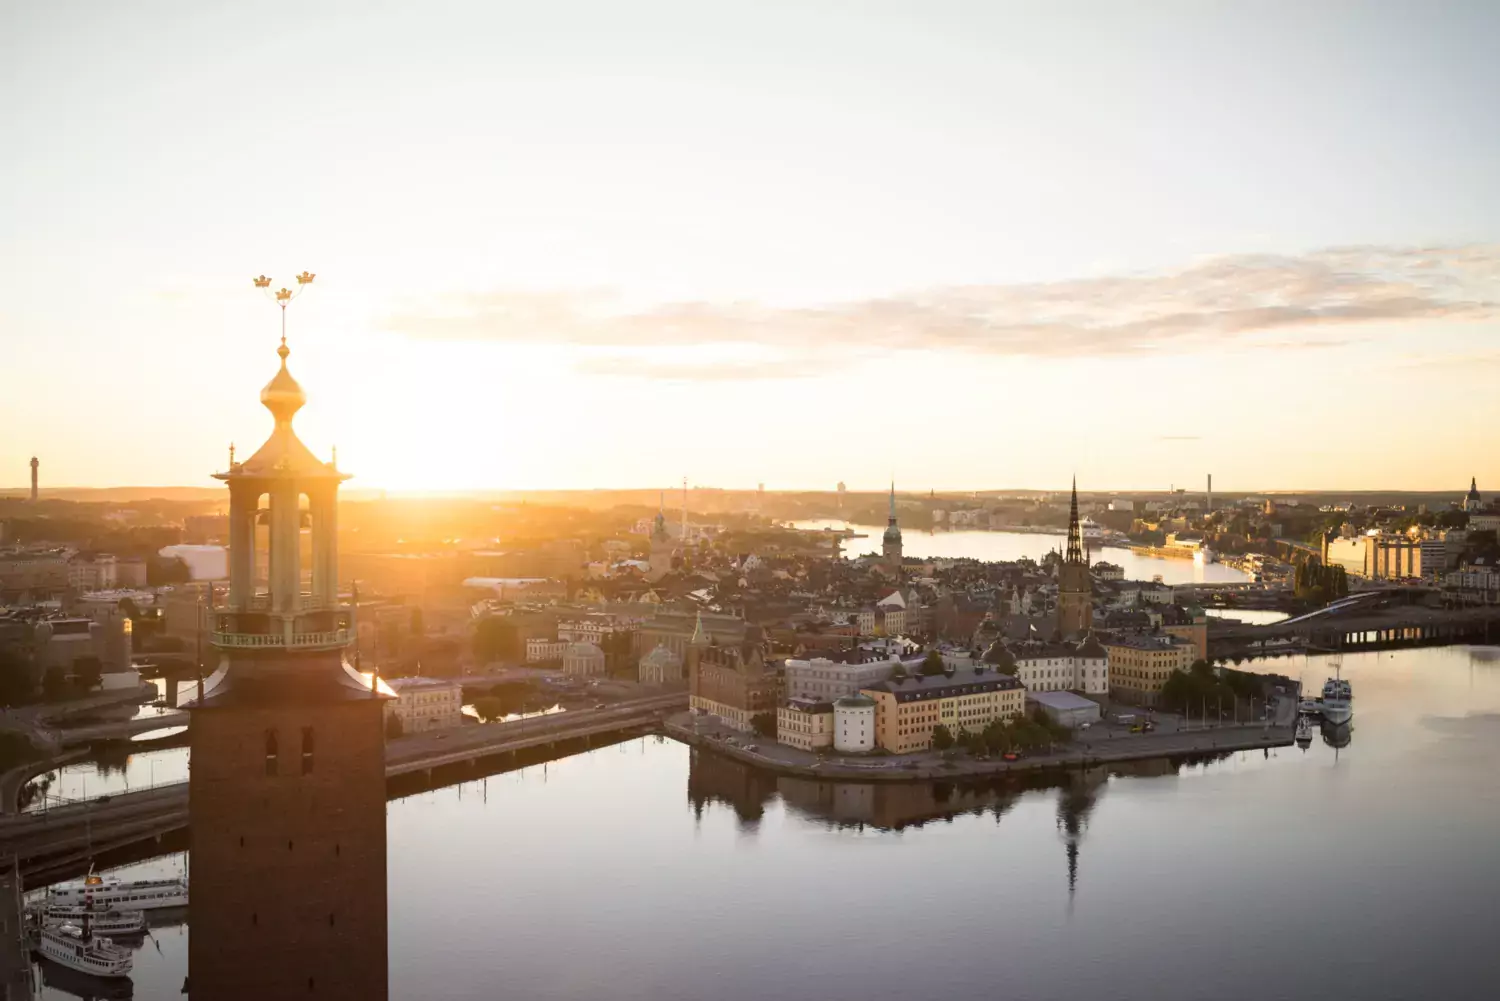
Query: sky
[(592, 244)]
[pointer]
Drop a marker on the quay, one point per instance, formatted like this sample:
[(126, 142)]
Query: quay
[(48, 840), (1090, 750)]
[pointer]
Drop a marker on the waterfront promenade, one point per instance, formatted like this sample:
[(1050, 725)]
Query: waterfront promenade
[(1100, 744)]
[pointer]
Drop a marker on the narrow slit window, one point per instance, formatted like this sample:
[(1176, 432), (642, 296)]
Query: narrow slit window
[(270, 752), (307, 749)]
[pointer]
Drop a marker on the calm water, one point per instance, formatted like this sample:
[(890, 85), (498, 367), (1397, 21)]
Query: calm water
[(647, 871), (992, 546)]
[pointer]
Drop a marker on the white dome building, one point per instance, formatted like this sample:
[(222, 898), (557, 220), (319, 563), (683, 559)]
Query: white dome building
[(854, 724), (583, 660), (660, 667)]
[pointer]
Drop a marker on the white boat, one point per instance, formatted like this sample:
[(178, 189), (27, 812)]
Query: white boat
[(111, 893), (67, 945), (1337, 704), (1304, 734), (107, 923), (1092, 533)]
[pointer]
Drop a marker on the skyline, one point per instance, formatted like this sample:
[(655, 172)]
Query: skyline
[(976, 244)]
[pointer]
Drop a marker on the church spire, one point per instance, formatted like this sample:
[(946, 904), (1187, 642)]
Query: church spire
[(892, 519), (1075, 534)]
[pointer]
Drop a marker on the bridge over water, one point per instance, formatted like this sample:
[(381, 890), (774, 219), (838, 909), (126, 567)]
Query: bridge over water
[(62, 839), (1367, 621)]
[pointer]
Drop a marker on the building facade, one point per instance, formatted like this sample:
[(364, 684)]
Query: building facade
[(854, 724), (826, 679), (423, 704), (806, 724), (659, 667), (908, 710), (731, 682), (583, 660), (1140, 665), (1062, 666)]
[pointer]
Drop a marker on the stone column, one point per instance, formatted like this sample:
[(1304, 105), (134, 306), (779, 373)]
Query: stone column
[(323, 503), (242, 502), (286, 570)]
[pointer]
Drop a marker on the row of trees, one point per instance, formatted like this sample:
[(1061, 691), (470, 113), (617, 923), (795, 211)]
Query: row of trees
[(1022, 733), (1199, 687), (1312, 581)]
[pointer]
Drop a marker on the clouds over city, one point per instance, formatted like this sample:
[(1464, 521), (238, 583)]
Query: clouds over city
[(1221, 303)]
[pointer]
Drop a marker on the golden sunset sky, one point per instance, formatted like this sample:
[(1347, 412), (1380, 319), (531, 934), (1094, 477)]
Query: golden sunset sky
[(578, 244)]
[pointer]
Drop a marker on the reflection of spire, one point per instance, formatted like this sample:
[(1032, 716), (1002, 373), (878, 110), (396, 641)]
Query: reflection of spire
[(699, 637), (1075, 534), (1075, 801)]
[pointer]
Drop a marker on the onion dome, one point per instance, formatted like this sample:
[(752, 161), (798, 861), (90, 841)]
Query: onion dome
[(283, 396)]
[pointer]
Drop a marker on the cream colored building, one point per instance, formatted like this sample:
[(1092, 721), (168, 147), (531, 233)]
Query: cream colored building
[(907, 710), (1140, 665), (854, 724), (660, 667), (805, 723), (583, 660), (424, 704)]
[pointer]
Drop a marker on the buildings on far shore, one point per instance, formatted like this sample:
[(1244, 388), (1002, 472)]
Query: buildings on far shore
[(423, 704)]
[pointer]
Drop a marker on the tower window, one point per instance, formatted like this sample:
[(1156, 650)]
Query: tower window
[(270, 752), (307, 749)]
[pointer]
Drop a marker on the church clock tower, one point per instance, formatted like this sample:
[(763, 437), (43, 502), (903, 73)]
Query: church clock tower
[(287, 784), (1075, 600)]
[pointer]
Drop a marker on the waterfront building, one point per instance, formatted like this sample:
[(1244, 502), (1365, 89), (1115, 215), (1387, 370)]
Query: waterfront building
[(423, 704), (854, 724), (1109, 571), (890, 543), (287, 740), (1066, 708), (805, 723), (730, 682), (675, 630), (1378, 556), (1139, 665), (659, 667), (1190, 624), (93, 572), (1075, 603), (907, 710), (583, 660)]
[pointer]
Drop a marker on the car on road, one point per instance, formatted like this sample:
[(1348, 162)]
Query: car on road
[(752, 747), (1138, 728), (1012, 755), (600, 706)]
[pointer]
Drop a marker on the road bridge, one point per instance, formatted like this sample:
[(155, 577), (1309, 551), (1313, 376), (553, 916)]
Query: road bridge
[(1354, 625), (72, 832)]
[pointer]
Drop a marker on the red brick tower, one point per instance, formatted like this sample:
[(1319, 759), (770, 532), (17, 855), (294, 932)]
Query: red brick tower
[(287, 780), (1075, 601)]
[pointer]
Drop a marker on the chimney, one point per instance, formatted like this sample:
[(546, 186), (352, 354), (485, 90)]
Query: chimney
[(34, 465), (1210, 494)]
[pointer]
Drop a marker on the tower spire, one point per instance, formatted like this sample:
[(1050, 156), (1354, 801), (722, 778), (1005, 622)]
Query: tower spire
[(893, 502), (1075, 534)]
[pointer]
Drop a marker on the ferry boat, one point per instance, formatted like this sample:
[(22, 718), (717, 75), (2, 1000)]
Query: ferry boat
[(1092, 532), (1337, 704), (1304, 734), (68, 945), (108, 923), (111, 893)]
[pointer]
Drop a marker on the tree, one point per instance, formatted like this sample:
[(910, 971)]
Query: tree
[(496, 639), (55, 684), (392, 727), (942, 737), (15, 676), (489, 708), (932, 664), (764, 724)]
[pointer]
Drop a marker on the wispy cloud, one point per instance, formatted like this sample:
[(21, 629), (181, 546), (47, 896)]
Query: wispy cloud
[(1207, 305)]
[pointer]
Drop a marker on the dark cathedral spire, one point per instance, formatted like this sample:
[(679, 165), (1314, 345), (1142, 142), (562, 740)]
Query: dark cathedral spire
[(1075, 534)]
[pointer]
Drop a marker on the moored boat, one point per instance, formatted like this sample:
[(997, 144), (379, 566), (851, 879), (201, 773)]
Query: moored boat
[(112, 893), (1337, 704), (107, 923), (70, 946)]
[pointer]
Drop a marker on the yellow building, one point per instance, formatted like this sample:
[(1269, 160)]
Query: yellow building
[(805, 724), (1140, 665), (908, 710)]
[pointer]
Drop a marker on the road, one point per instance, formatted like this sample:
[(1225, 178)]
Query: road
[(77, 827)]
